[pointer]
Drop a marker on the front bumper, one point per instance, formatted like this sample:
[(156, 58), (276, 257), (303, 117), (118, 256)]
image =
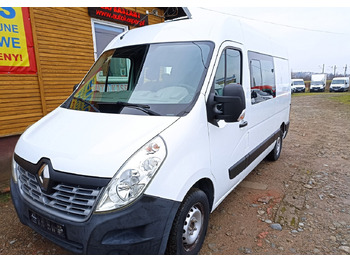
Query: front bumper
[(316, 89), (337, 89), (141, 228), (299, 90)]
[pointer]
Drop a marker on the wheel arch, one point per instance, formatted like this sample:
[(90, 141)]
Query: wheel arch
[(284, 129), (207, 186)]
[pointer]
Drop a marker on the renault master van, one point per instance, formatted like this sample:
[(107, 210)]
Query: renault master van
[(167, 122)]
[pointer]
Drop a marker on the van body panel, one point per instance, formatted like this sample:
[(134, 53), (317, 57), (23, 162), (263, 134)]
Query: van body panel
[(87, 143), (183, 30), (188, 150)]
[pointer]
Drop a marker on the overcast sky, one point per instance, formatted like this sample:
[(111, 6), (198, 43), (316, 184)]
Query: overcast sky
[(314, 36)]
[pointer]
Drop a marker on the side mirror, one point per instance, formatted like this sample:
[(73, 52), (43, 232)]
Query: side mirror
[(229, 106)]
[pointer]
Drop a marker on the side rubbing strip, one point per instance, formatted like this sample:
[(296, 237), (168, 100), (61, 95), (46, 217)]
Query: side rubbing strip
[(245, 161)]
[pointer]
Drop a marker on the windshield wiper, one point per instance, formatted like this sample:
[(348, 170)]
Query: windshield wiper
[(88, 103), (141, 107)]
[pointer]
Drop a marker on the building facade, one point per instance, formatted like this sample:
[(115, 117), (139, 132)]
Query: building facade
[(44, 52)]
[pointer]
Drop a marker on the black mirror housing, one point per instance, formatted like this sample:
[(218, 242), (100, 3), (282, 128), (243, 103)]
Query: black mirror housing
[(232, 103)]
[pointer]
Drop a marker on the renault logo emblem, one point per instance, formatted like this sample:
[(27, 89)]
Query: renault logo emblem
[(44, 176)]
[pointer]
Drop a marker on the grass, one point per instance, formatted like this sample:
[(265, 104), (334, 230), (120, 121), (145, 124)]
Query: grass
[(308, 94), (343, 98), (4, 197)]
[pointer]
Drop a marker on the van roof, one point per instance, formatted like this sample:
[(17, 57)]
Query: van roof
[(204, 25), (343, 77)]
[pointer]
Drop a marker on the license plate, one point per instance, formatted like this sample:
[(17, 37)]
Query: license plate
[(47, 225)]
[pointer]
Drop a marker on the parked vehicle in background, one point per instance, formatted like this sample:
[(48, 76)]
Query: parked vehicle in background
[(318, 83), (298, 85), (339, 84)]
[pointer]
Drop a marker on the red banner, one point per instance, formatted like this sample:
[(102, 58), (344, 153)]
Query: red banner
[(119, 15), (16, 41)]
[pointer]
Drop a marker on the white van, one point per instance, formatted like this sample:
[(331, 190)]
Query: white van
[(318, 83), (339, 84), (137, 166), (298, 85)]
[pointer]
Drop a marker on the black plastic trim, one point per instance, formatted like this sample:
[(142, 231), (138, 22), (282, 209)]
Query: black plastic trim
[(245, 161), (59, 176)]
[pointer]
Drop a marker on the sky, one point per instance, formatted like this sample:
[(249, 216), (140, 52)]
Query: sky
[(317, 38)]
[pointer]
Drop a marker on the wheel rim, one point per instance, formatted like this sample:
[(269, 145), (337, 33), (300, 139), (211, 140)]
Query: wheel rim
[(192, 227)]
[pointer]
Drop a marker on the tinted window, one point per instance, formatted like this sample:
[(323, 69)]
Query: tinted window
[(262, 77)]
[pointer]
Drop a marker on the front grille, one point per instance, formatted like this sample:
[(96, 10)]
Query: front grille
[(72, 202)]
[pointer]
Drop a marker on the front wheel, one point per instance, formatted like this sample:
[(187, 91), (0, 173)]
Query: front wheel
[(190, 224)]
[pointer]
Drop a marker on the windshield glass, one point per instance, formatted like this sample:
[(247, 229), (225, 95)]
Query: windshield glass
[(338, 81), (155, 79), (316, 83), (298, 82)]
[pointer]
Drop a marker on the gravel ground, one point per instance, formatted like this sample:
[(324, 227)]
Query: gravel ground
[(297, 205)]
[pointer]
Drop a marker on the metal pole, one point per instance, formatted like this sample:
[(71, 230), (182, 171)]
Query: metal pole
[(346, 67)]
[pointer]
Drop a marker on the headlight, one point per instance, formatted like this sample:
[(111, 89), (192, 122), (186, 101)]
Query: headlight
[(14, 171), (132, 178)]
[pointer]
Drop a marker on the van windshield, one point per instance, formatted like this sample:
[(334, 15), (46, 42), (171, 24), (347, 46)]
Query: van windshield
[(154, 79), (338, 81), (298, 82)]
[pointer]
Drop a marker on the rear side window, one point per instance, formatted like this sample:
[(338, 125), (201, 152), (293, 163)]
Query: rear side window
[(262, 77)]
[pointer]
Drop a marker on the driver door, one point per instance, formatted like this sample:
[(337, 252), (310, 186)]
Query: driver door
[(228, 141)]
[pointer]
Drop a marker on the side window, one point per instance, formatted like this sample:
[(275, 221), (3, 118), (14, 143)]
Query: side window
[(255, 73), (233, 64), (262, 77), (219, 80), (268, 77), (229, 70)]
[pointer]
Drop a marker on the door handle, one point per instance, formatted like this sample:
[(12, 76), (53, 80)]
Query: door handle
[(243, 124)]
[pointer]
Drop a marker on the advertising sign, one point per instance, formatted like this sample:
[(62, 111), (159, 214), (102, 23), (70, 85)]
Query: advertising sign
[(16, 41), (119, 15)]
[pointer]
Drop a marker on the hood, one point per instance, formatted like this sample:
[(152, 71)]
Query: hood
[(88, 143)]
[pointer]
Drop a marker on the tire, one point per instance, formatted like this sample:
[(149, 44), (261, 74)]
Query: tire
[(190, 224), (276, 151)]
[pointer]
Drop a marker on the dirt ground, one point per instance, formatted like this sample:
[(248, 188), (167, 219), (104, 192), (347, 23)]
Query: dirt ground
[(297, 205)]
